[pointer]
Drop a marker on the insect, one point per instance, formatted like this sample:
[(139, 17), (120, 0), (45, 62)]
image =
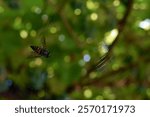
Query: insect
[(41, 51), (103, 61)]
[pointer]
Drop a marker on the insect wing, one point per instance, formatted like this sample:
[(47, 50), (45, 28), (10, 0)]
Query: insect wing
[(103, 61), (43, 41), (33, 55)]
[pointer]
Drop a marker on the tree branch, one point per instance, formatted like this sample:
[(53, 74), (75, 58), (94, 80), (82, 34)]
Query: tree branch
[(106, 57), (121, 25), (71, 32)]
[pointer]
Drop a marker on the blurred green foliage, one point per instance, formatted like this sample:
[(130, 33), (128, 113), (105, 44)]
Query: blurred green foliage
[(78, 34)]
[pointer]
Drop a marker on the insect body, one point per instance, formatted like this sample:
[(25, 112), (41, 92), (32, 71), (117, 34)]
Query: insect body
[(40, 51)]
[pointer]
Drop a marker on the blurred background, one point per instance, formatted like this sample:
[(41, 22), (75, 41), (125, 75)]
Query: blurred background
[(99, 49)]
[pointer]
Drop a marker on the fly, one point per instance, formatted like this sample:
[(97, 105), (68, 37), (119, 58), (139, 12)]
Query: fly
[(41, 51)]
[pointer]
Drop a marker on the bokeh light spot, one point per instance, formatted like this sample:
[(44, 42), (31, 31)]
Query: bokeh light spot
[(93, 75), (17, 23), (81, 62), (94, 16), (92, 5), (145, 24), (141, 6), (33, 33), (45, 17), (99, 97), (53, 30), (86, 57), (108, 93), (23, 34), (38, 61), (110, 36), (77, 11), (88, 93), (36, 9), (61, 37), (116, 3), (50, 71), (103, 48)]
